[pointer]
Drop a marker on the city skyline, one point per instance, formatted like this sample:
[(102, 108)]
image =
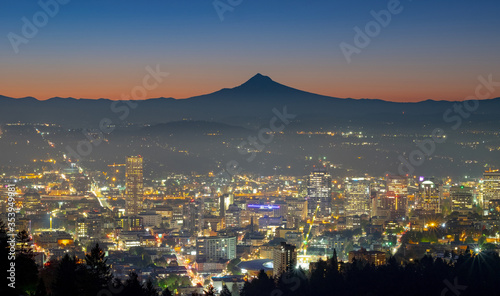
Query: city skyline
[(249, 147)]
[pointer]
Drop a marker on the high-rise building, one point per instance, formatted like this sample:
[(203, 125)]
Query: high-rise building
[(284, 259), (429, 198), (319, 191), (491, 186), (215, 248), (225, 200), (397, 195), (134, 185), (461, 199), (193, 215), (357, 196)]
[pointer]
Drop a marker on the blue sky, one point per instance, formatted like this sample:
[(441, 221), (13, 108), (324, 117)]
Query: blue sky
[(92, 49)]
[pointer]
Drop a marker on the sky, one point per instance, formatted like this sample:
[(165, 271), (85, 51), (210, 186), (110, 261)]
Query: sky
[(101, 48)]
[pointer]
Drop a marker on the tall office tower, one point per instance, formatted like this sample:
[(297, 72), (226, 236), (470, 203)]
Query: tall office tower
[(357, 196), (225, 200), (397, 195), (461, 199), (491, 186), (193, 215), (284, 259), (134, 185), (319, 191), (429, 198)]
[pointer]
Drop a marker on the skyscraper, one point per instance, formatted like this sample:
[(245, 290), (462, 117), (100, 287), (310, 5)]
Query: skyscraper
[(319, 191), (397, 195), (357, 196), (284, 259), (429, 198), (491, 186), (134, 185)]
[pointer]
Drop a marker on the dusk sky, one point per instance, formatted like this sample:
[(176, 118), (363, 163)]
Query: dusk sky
[(99, 49)]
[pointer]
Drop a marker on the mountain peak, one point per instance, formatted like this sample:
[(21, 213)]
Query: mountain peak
[(259, 82), (260, 78)]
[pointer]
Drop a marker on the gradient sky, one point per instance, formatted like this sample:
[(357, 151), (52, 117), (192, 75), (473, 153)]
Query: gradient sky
[(100, 48)]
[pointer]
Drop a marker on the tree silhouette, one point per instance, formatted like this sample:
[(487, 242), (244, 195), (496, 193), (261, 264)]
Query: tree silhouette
[(66, 278), (132, 286), (225, 291), (150, 289), (40, 289), (97, 274)]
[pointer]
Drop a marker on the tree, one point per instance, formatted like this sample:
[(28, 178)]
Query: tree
[(166, 292), (232, 266), (225, 291), (161, 262), (26, 266), (469, 240), (262, 285), (150, 289), (170, 241), (66, 278), (235, 291), (23, 239), (133, 286), (97, 273), (40, 289)]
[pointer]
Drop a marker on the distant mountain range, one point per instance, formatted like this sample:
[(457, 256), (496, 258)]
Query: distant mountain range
[(248, 105)]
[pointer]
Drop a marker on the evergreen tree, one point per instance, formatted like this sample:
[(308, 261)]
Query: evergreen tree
[(150, 289), (262, 285), (132, 286), (26, 274), (40, 289), (66, 278), (318, 275), (225, 291), (97, 274)]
